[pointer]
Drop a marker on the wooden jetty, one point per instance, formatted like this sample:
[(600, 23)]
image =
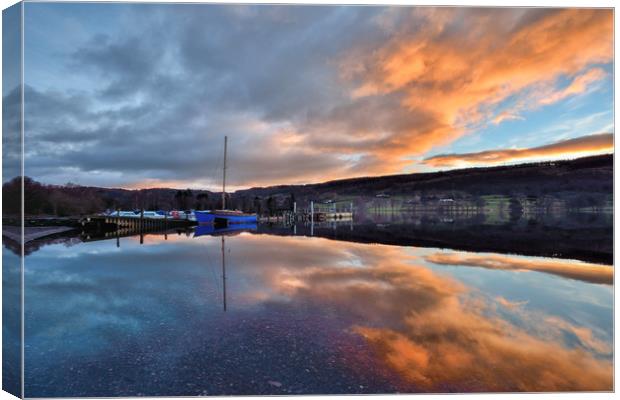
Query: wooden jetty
[(100, 227), (130, 232), (136, 224)]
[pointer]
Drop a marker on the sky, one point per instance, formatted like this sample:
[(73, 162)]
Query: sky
[(142, 95)]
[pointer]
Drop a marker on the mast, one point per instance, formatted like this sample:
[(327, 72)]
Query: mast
[(224, 272), (224, 178)]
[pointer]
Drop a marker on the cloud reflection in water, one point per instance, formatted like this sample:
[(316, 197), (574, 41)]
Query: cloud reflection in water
[(423, 329)]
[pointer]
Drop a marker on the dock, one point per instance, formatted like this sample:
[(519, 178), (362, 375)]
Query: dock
[(100, 227), (113, 223)]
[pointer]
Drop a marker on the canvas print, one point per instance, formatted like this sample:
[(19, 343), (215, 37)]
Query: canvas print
[(229, 199)]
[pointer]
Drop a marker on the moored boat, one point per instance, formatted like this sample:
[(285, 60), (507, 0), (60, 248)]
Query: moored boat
[(204, 217), (224, 217)]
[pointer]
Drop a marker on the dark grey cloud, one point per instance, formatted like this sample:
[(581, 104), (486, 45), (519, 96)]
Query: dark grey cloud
[(166, 92), (11, 134), (11, 93), (66, 135)]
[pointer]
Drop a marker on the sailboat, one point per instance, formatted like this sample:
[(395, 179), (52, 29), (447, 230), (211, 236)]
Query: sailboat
[(224, 216)]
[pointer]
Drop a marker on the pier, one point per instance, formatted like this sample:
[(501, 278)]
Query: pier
[(137, 223), (100, 227)]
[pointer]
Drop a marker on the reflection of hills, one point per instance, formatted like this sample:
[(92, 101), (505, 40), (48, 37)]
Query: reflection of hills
[(587, 237), (582, 237), (587, 175)]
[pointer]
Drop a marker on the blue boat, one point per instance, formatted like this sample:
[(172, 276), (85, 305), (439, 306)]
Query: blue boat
[(224, 217), (204, 217)]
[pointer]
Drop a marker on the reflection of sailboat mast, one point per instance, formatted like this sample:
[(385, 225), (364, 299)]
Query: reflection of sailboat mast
[(224, 175), (224, 272)]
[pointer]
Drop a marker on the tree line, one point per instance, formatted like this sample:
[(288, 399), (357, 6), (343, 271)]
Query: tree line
[(585, 182), (75, 200)]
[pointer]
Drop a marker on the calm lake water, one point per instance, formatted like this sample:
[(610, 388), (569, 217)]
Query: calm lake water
[(308, 315)]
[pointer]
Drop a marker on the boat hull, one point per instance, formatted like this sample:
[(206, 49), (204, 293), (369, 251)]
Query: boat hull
[(236, 219), (204, 217), (211, 217)]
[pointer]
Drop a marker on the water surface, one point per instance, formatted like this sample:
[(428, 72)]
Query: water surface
[(309, 315)]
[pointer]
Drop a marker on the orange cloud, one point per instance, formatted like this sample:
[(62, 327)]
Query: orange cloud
[(546, 93), (593, 273), (453, 68), (571, 148), (506, 116), (579, 85), (510, 304)]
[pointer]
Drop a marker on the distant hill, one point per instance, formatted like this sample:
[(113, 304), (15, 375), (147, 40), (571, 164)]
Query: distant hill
[(588, 176), (591, 174)]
